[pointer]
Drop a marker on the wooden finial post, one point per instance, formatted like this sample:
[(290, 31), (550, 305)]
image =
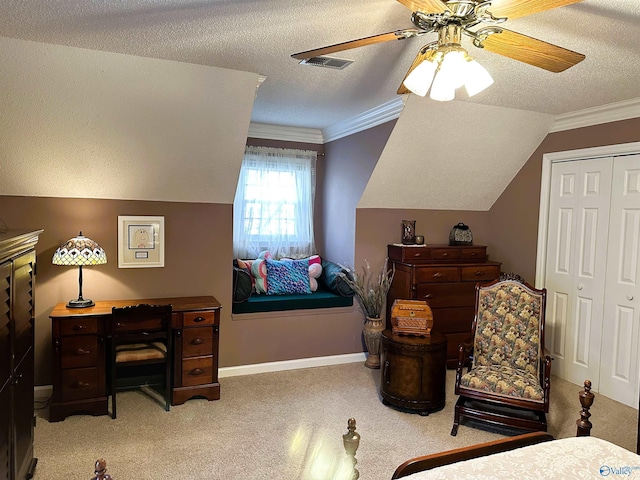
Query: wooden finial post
[(351, 442), (101, 471), (586, 400)]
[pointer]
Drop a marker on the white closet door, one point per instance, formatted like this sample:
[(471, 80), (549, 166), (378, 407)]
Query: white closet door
[(620, 336), (576, 265)]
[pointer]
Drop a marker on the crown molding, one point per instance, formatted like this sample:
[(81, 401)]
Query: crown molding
[(287, 134), (391, 110), (386, 112), (612, 112)]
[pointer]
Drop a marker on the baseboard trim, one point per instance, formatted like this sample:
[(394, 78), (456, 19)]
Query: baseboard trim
[(42, 393), (267, 367)]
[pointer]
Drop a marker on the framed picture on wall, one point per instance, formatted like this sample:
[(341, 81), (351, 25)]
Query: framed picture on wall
[(140, 241)]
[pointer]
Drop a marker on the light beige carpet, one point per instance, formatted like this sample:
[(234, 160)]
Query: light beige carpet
[(280, 426)]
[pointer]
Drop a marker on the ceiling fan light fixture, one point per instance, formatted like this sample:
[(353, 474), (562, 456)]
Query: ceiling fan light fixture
[(477, 78), (419, 80)]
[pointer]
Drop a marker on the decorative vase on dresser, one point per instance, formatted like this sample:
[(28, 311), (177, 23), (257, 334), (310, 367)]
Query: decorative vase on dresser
[(445, 276)]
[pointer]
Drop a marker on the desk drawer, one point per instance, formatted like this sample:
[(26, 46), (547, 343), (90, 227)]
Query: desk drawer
[(480, 273), (79, 383), (137, 325), (197, 371), (79, 351), (198, 318), (437, 274), (197, 341), (78, 326)]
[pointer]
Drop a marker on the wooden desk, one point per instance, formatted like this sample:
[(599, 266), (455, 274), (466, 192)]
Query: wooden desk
[(80, 365)]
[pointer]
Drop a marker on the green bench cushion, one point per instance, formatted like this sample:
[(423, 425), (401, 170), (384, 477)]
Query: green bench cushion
[(274, 303)]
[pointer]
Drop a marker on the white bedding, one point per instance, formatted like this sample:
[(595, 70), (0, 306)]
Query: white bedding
[(567, 458)]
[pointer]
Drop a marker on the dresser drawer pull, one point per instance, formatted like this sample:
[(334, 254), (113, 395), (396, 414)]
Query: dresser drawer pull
[(428, 295), (417, 254), (79, 327), (445, 254), (82, 351), (437, 275), (80, 384), (478, 273), (473, 254), (199, 319), (120, 324), (197, 341), (196, 371)]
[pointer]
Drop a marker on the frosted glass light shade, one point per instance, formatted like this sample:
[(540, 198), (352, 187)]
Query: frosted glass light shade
[(419, 80), (477, 78)]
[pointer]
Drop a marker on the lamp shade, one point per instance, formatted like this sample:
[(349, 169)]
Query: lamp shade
[(79, 250)]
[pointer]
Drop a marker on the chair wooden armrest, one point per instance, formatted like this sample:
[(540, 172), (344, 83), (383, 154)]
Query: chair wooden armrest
[(428, 462), (465, 352)]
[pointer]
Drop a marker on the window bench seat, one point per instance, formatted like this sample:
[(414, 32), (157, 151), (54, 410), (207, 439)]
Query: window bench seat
[(274, 303)]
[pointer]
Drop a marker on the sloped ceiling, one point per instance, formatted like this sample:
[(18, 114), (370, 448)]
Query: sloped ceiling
[(453, 156), (90, 124), (260, 36)]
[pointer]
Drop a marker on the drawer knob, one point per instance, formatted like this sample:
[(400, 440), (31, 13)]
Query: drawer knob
[(445, 254), (198, 319), (82, 351), (416, 254), (196, 371), (80, 384), (197, 341), (428, 295), (79, 327), (478, 273), (437, 275)]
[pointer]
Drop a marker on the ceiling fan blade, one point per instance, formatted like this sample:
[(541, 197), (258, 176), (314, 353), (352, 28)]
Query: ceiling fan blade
[(520, 8), (425, 6), (532, 51), (361, 42), (423, 54)]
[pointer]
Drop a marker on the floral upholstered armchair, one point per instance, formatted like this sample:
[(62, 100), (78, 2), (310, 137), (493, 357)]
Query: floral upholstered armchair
[(507, 379)]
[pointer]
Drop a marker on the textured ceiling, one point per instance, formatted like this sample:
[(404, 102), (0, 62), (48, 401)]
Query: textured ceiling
[(260, 35)]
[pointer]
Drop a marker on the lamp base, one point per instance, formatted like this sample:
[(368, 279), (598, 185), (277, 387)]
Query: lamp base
[(80, 303)]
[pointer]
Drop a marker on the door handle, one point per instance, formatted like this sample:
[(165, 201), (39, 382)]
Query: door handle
[(580, 287), (629, 297), (386, 375)]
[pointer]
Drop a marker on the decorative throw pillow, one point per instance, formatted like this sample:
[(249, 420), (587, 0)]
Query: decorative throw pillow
[(332, 280), (287, 277), (315, 270), (242, 286), (259, 271)]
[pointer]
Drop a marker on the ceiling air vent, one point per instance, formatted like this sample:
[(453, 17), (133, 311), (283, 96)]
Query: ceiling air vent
[(327, 62)]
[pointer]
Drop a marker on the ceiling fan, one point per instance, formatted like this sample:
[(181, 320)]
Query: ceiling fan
[(445, 62)]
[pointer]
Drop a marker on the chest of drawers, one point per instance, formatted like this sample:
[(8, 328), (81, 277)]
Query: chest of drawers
[(445, 276), (80, 364)]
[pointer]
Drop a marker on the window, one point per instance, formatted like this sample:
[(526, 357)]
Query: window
[(273, 208)]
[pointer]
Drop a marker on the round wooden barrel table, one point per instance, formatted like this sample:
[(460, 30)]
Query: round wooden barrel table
[(414, 371)]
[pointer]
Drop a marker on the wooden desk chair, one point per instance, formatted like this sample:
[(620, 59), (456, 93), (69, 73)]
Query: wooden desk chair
[(507, 382), (141, 349)]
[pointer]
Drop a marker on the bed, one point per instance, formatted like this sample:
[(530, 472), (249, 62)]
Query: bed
[(531, 455)]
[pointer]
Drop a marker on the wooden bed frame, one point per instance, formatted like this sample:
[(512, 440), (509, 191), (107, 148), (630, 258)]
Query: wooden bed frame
[(427, 462)]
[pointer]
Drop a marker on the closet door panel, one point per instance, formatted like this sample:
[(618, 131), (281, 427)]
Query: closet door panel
[(576, 263), (621, 335)]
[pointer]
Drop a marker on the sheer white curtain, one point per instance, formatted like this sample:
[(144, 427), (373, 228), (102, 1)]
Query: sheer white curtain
[(273, 208)]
